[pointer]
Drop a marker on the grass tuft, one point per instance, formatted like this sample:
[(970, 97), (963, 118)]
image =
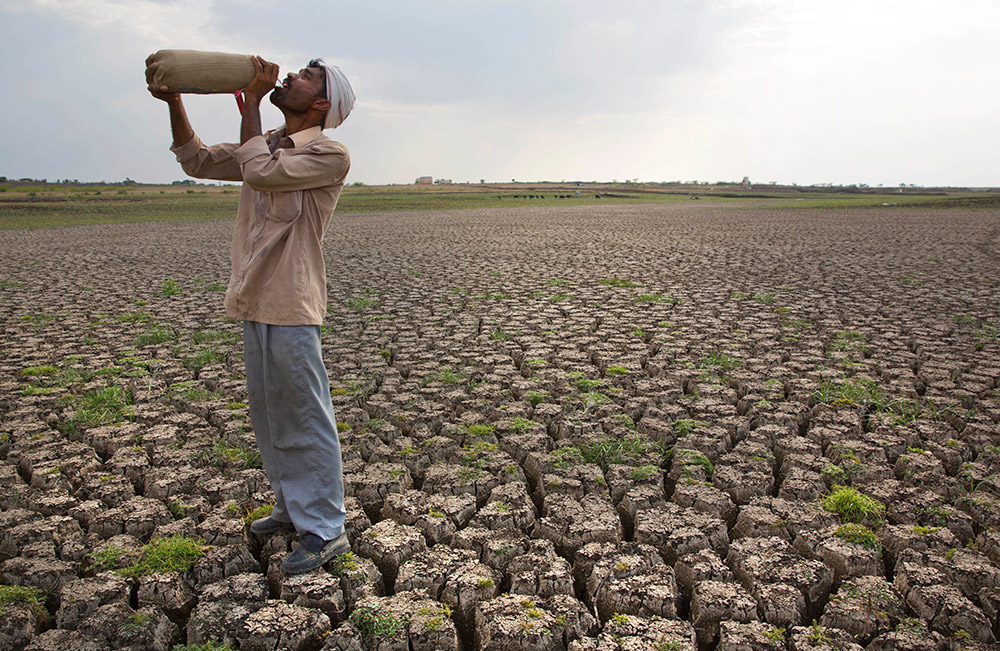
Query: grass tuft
[(852, 506)]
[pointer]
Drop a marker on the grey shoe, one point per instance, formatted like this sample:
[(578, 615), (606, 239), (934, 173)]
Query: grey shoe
[(268, 525), (313, 553)]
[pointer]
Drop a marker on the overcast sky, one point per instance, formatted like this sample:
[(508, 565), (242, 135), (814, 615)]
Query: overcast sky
[(846, 91)]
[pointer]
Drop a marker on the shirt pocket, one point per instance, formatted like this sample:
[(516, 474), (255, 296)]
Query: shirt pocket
[(284, 206)]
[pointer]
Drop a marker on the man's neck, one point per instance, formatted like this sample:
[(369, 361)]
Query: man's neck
[(296, 123)]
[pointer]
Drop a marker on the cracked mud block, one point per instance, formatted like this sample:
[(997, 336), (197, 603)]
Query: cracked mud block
[(633, 584), (467, 586), (416, 454), (219, 490), (592, 553), (61, 464), (800, 484), (706, 498), (357, 521), (21, 622), (436, 516), (780, 604), (632, 633), (509, 507), (454, 479), (139, 517), (223, 607), (676, 531), (390, 544), (570, 523), (371, 483), (65, 640), (115, 553), (757, 520), (896, 539), (428, 570), (494, 548), (61, 534), (621, 479), (511, 622), (79, 598), (864, 606), (54, 501), (982, 507), (539, 572), (743, 476), (406, 621), (751, 636), (846, 559), (915, 506), (703, 565), (798, 516), (106, 489), (911, 635), (220, 529), (925, 470), (710, 440), (317, 590), (823, 638), (48, 574), (278, 625), (132, 463), (713, 601), (638, 498), (929, 594), (761, 564), (967, 568), (576, 481), (118, 626), (864, 462), (222, 561), (170, 591), (171, 482)]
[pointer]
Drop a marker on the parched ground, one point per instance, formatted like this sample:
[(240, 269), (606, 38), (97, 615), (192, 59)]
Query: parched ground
[(598, 427)]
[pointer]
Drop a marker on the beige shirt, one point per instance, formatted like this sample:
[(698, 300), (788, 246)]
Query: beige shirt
[(288, 198)]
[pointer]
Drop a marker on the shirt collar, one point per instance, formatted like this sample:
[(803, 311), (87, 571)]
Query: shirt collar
[(302, 138)]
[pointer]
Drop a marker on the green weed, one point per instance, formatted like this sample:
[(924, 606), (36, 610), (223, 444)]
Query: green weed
[(34, 597), (169, 288), (859, 534), (852, 506), (374, 624), (176, 553), (618, 282)]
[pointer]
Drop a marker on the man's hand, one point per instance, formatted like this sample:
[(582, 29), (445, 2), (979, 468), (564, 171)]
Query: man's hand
[(156, 90), (263, 83)]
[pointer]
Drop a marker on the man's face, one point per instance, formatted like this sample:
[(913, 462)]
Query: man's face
[(298, 90)]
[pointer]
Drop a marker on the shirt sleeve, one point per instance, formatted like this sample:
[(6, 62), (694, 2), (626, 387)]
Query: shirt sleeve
[(288, 170), (215, 162)]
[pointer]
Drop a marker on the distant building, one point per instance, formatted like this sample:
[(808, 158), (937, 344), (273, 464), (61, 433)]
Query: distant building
[(424, 180), (443, 181), (746, 181)]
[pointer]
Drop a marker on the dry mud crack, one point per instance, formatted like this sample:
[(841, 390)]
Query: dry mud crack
[(607, 427)]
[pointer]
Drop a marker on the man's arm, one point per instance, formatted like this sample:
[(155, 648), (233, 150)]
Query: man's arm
[(180, 127), (196, 160), (259, 86)]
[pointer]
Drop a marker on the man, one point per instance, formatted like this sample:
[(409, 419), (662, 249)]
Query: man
[(292, 178)]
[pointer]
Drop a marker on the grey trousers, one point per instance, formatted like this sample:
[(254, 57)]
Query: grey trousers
[(295, 427)]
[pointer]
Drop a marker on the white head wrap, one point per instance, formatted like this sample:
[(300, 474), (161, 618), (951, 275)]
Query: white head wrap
[(340, 94)]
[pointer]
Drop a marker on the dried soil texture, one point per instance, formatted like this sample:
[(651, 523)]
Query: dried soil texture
[(563, 428)]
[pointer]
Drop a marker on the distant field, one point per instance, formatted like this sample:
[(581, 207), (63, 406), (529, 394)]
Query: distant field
[(38, 206)]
